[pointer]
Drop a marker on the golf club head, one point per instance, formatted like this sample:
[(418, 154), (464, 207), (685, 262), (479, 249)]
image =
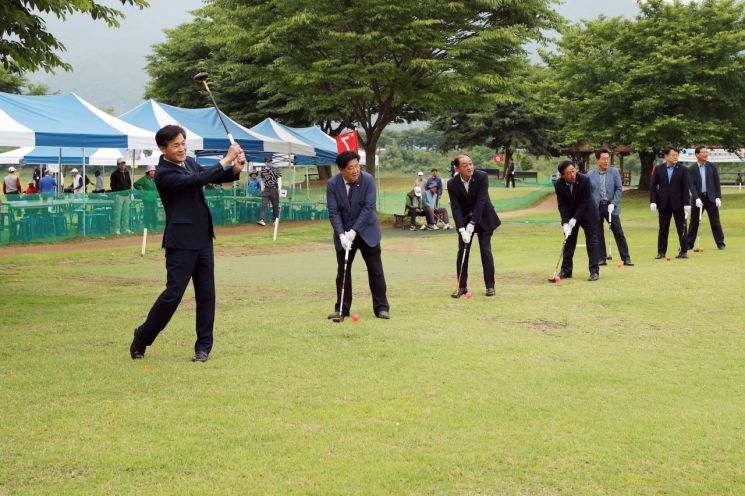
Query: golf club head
[(609, 257), (200, 77), (338, 319), (552, 279), (697, 250)]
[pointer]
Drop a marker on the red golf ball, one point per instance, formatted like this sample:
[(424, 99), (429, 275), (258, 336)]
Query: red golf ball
[(355, 317), (619, 265), (468, 295)]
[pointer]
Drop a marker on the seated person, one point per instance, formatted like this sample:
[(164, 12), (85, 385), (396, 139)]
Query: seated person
[(414, 206), (431, 208), (32, 189)]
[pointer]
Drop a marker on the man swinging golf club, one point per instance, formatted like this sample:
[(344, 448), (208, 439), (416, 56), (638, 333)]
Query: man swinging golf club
[(473, 213), (350, 197)]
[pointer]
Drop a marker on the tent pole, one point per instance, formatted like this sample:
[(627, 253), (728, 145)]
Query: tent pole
[(85, 193), (307, 181)]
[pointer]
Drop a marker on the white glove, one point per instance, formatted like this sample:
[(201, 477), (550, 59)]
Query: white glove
[(611, 207), (653, 207), (464, 235), (469, 228), (718, 202), (567, 229), (687, 209), (699, 203), (346, 243), (572, 223), (351, 234)]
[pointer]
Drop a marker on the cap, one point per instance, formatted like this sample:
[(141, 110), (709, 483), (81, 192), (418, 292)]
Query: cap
[(150, 167), (253, 173), (420, 173), (11, 169), (432, 183), (120, 160), (417, 191), (74, 170)]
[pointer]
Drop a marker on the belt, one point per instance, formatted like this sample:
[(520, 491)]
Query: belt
[(604, 202)]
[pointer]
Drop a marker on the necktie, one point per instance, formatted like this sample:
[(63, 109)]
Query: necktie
[(349, 193)]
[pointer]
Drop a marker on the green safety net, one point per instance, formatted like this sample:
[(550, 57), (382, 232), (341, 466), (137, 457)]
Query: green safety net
[(59, 216)]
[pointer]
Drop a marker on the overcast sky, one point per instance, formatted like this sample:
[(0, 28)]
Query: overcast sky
[(109, 64)]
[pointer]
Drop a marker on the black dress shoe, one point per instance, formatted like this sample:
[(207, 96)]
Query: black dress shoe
[(628, 262), (565, 275), (722, 246), (383, 314), (136, 350), (603, 261), (659, 256), (200, 356), (594, 277), (459, 292), (490, 292), (682, 255)]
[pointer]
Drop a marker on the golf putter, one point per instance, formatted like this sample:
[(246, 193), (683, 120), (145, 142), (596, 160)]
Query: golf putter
[(610, 245), (558, 262), (698, 233), (340, 314)]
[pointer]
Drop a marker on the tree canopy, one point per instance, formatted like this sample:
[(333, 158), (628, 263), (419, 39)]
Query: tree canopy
[(27, 45), (673, 75)]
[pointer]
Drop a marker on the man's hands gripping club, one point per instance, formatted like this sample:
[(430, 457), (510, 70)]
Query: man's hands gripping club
[(347, 239), (236, 156)]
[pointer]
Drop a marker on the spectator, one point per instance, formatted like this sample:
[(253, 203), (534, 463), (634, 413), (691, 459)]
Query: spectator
[(99, 182), (414, 207), (253, 185), (271, 183), (121, 184), (510, 174), (11, 183), (420, 181), (146, 184), (36, 177), (32, 189), (47, 184), (431, 201), (77, 186), (435, 179)]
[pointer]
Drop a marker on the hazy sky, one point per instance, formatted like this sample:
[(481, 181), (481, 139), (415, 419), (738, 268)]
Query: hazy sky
[(108, 64)]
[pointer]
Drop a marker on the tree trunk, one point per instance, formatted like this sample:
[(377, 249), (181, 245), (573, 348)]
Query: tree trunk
[(370, 155), (645, 177), (324, 171)]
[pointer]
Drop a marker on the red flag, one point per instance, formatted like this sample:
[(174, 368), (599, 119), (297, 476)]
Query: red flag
[(347, 141)]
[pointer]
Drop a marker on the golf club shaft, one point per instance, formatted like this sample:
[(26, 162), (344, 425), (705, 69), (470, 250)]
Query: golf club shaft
[(561, 256), (610, 245), (698, 232), (219, 114), (462, 262), (343, 283)]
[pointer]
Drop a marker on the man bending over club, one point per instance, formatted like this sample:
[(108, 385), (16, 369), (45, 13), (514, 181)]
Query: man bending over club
[(187, 238), (350, 196)]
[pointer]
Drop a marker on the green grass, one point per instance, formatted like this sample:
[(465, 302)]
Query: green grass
[(631, 385)]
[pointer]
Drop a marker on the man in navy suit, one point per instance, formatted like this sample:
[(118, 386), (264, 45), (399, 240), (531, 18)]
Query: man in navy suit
[(706, 194), (668, 195), (187, 238), (574, 198), (350, 197), (607, 188), (473, 212)]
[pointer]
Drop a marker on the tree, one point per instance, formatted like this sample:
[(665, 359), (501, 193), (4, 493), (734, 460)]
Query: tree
[(520, 122), (371, 63), (673, 75), (11, 83), (26, 45)]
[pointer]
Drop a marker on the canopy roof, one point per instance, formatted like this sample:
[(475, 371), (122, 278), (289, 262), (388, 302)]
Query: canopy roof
[(65, 120), (73, 156), (203, 128), (309, 144)]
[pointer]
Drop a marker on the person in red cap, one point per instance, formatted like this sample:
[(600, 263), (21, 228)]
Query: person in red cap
[(146, 184)]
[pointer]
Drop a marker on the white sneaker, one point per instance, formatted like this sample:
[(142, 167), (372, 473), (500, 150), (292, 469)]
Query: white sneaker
[(117, 232), (423, 227), (261, 223), (435, 228), (447, 227)]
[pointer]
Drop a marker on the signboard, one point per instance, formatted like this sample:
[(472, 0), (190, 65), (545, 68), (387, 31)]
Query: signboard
[(716, 155), (347, 141)]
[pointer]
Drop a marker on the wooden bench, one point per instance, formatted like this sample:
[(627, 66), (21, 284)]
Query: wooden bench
[(401, 220), (519, 174)]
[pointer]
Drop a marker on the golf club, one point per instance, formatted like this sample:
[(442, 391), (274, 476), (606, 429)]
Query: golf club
[(558, 262), (462, 262), (610, 245), (698, 233), (340, 314), (202, 78)]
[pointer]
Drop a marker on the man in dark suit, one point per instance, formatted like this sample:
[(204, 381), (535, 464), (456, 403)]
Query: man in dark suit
[(668, 195), (706, 194), (576, 207), (473, 212), (187, 238), (350, 196)]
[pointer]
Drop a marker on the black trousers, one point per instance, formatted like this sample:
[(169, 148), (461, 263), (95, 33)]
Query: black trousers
[(375, 276), (487, 260), (591, 242), (618, 235), (507, 179), (679, 216), (716, 226), (181, 267), (269, 196)]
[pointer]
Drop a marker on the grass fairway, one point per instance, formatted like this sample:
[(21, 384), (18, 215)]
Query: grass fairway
[(630, 385)]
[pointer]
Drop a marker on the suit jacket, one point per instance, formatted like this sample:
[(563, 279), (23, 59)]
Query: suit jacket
[(713, 187), (188, 218), (673, 193), (613, 187), (359, 214), (576, 203), (474, 205)]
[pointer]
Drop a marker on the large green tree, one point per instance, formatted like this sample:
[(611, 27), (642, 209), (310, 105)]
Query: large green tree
[(673, 75), (27, 45), (370, 63), (523, 121)]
